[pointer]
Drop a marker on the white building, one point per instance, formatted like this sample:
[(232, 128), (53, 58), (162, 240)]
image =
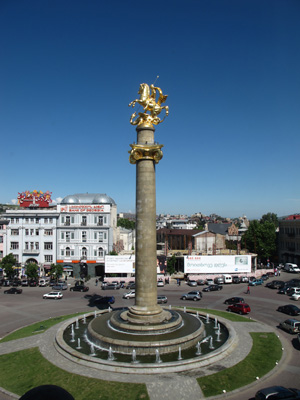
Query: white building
[(77, 233), (31, 236), (86, 232)]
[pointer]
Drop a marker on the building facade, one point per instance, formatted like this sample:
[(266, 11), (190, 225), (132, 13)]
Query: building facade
[(289, 239), (77, 233)]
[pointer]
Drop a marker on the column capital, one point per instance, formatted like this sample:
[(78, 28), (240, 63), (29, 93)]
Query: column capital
[(145, 152)]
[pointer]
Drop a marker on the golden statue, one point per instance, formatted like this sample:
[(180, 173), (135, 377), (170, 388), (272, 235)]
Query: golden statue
[(148, 101)]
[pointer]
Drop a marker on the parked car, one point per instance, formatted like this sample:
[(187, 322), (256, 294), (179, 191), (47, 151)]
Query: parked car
[(130, 285), (265, 277), (234, 300), (13, 290), (192, 283), (240, 308), (79, 288), (212, 288), (24, 282), (256, 282), (290, 325), (195, 295), (160, 284), (236, 279), (43, 282), (33, 283), (129, 295), (110, 286), (219, 280), (244, 279), (200, 282), (295, 296), (162, 299), (275, 284), (16, 282), (209, 281), (60, 286), (285, 290), (104, 300), (277, 392), (289, 309), (53, 295)]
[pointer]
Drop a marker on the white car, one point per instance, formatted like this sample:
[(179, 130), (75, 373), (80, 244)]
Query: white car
[(129, 295), (53, 295), (160, 283), (295, 296)]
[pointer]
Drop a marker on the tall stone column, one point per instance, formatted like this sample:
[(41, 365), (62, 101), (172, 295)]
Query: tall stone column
[(145, 154)]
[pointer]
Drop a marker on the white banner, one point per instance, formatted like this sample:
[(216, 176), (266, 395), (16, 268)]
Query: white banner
[(217, 264), (119, 264)]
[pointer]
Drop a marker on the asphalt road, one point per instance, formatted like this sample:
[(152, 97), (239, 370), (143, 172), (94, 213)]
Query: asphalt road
[(19, 310)]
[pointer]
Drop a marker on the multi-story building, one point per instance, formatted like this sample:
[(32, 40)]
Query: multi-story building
[(289, 239), (3, 225), (86, 232), (31, 236), (77, 233)]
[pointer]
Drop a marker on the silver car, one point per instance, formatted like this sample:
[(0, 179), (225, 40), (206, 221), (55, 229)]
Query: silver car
[(195, 295)]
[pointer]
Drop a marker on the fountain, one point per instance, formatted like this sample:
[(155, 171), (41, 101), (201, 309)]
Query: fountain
[(145, 329)]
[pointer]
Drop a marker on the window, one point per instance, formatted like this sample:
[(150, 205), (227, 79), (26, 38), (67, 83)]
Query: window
[(48, 245), (32, 220), (68, 221), (83, 236), (100, 252), (1, 239), (26, 246), (48, 232), (16, 257), (100, 221), (17, 220), (26, 232), (37, 232), (37, 220), (14, 245), (68, 252), (84, 252), (31, 232), (48, 258), (27, 220), (100, 236), (37, 245), (50, 220), (14, 232), (84, 220), (46, 220)]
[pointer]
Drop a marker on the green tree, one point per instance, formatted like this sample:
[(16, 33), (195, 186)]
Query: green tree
[(7, 264), (260, 239), (56, 271), (126, 223), (32, 271), (171, 264), (270, 217)]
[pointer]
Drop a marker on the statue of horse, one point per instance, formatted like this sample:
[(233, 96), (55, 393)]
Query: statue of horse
[(148, 101)]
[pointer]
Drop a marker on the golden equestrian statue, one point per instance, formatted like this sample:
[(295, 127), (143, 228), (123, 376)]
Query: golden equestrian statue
[(152, 108)]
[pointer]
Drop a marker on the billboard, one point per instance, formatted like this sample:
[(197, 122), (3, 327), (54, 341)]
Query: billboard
[(34, 199), (119, 264), (217, 264)]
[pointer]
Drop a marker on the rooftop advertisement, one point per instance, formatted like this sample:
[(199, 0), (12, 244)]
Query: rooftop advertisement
[(217, 264), (83, 208), (34, 199)]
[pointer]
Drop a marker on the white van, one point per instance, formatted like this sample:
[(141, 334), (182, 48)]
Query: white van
[(43, 282), (227, 278), (289, 267)]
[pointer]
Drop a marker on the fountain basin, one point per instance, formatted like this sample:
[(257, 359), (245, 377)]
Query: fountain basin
[(182, 365)]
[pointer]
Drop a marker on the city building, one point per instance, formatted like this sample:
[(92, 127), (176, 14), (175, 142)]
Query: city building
[(86, 232), (289, 239), (77, 233)]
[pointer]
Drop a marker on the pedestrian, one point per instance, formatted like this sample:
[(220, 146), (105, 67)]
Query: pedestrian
[(96, 282), (279, 272), (248, 290)]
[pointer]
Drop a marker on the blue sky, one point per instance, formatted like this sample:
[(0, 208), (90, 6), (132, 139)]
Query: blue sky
[(69, 69)]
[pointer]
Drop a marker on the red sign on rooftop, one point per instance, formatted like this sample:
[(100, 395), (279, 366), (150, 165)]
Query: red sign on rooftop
[(34, 199)]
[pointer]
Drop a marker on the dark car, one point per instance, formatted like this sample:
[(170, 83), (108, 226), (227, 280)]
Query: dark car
[(236, 279), (289, 309), (16, 282), (212, 288), (265, 277), (200, 282), (104, 300), (240, 308), (13, 290), (275, 284), (234, 300), (285, 290), (79, 288), (277, 392), (130, 286), (33, 284)]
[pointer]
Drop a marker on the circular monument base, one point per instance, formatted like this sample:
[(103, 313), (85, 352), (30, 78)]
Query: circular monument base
[(112, 330)]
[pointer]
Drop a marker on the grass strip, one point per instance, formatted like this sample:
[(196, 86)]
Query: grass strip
[(36, 328), (224, 314), (265, 352), (26, 369)]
